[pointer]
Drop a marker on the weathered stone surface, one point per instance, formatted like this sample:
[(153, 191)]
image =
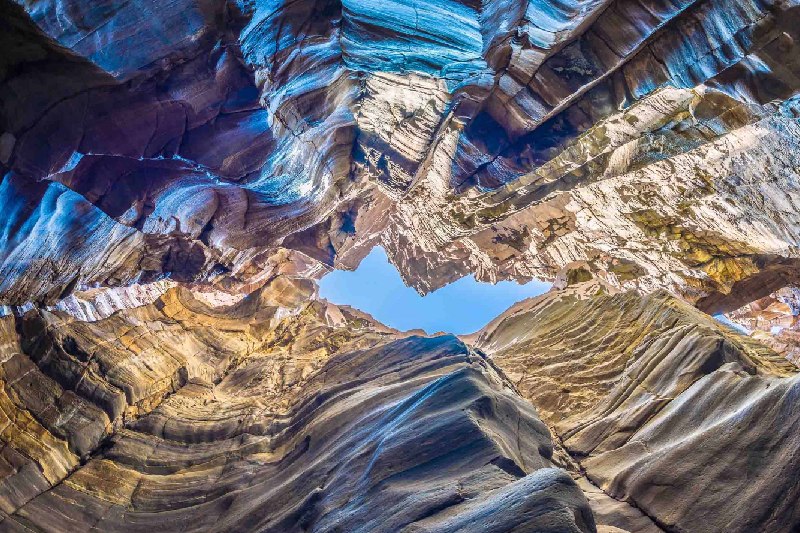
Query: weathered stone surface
[(280, 413), (174, 175), (662, 407), (773, 320), (207, 138)]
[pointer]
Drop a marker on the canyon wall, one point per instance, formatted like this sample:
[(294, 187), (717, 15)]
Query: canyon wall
[(284, 412), (660, 405), (276, 414), (174, 177), (226, 142)]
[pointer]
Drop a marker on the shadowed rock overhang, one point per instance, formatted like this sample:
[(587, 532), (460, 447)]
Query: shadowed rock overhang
[(224, 142)]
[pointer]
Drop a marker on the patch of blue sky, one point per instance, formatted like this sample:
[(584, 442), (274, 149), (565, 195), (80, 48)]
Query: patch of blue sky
[(738, 328), (461, 307)]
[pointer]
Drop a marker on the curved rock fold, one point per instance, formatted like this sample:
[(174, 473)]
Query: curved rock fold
[(175, 175)]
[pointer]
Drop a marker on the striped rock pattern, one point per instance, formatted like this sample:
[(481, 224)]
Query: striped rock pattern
[(661, 406), (277, 414), (226, 142)]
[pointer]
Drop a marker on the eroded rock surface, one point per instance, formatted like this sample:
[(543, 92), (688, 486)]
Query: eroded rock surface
[(774, 321), (174, 175), (662, 407), (226, 142), (280, 413)]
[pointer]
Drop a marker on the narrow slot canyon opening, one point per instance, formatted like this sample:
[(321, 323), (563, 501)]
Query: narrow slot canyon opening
[(184, 186), (461, 308)]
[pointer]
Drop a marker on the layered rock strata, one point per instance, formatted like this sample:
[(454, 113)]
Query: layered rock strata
[(661, 406), (174, 175), (774, 321), (284, 412), (227, 142), (276, 414)]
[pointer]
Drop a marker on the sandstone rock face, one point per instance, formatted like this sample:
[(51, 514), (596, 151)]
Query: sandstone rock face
[(175, 175), (662, 407), (277, 414), (774, 321), (227, 142), (283, 412)]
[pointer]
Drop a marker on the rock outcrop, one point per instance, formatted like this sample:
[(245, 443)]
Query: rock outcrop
[(662, 407), (283, 412), (175, 175), (227, 142), (280, 413), (774, 321)]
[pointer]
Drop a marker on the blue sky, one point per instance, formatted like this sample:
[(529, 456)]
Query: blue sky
[(462, 307)]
